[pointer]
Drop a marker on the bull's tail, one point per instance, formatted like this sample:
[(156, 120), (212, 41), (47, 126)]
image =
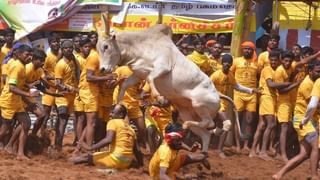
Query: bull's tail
[(236, 115)]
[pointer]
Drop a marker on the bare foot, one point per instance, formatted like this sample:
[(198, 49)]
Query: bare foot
[(253, 154), (246, 150), (276, 176), (273, 151), (265, 157), (22, 158), (281, 158), (284, 159), (9, 149), (222, 155), (314, 178), (238, 150)]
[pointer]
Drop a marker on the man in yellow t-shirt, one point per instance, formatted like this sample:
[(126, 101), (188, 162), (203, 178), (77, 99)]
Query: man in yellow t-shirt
[(89, 91), (79, 106), (6, 49), (52, 58), (215, 57), (11, 103), (224, 81), (267, 108), (122, 144), (306, 104), (263, 58), (131, 100), (167, 160), (157, 116), (35, 78), (8, 38), (7, 61), (285, 73), (199, 58), (66, 75), (246, 69)]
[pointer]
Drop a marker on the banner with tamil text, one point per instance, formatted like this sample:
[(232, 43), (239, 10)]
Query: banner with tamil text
[(179, 24), (192, 1), (212, 8)]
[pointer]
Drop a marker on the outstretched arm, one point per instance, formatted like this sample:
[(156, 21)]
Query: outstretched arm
[(104, 142), (278, 86), (244, 89), (290, 87), (307, 59)]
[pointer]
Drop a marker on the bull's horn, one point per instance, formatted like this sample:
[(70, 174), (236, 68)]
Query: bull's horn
[(105, 19)]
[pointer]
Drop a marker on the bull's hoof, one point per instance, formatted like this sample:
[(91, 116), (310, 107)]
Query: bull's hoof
[(185, 125)]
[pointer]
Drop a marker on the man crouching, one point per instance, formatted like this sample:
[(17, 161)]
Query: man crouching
[(167, 160), (121, 139)]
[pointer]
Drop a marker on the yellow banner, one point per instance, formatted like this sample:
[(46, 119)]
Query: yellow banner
[(295, 15), (179, 24)]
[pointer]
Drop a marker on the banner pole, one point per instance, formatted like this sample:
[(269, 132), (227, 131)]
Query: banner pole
[(160, 16)]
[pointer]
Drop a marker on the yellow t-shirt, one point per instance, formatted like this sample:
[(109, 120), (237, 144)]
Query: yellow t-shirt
[(125, 136), (263, 60), (5, 67), (201, 60), (66, 71), (81, 60), (92, 63), (2, 56), (105, 95), (215, 64), (49, 66), (303, 97), (132, 94), (267, 73), (223, 82), (245, 71), (282, 75), (164, 157), (33, 74), (316, 88), (16, 76), (3, 52)]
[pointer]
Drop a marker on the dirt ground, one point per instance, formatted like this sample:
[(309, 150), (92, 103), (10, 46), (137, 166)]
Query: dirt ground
[(233, 167)]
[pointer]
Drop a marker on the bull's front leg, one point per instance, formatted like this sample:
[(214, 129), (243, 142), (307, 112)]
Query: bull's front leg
[(131, 81), (157, 72)]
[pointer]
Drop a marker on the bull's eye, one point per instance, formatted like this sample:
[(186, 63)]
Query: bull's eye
[(105, 47)]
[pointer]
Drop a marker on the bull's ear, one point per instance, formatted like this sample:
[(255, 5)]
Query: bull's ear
[(113, 37)]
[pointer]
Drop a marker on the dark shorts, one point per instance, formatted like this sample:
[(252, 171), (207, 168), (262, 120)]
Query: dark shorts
[(310, 137)]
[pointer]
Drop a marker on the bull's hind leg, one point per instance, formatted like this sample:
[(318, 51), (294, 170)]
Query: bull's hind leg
[(204, 135)]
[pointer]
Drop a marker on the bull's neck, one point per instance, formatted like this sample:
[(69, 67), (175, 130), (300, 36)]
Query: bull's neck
[(131, 51), (127, 48)]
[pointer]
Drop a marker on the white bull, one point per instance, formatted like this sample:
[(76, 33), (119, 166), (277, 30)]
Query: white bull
[(153, 56)]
